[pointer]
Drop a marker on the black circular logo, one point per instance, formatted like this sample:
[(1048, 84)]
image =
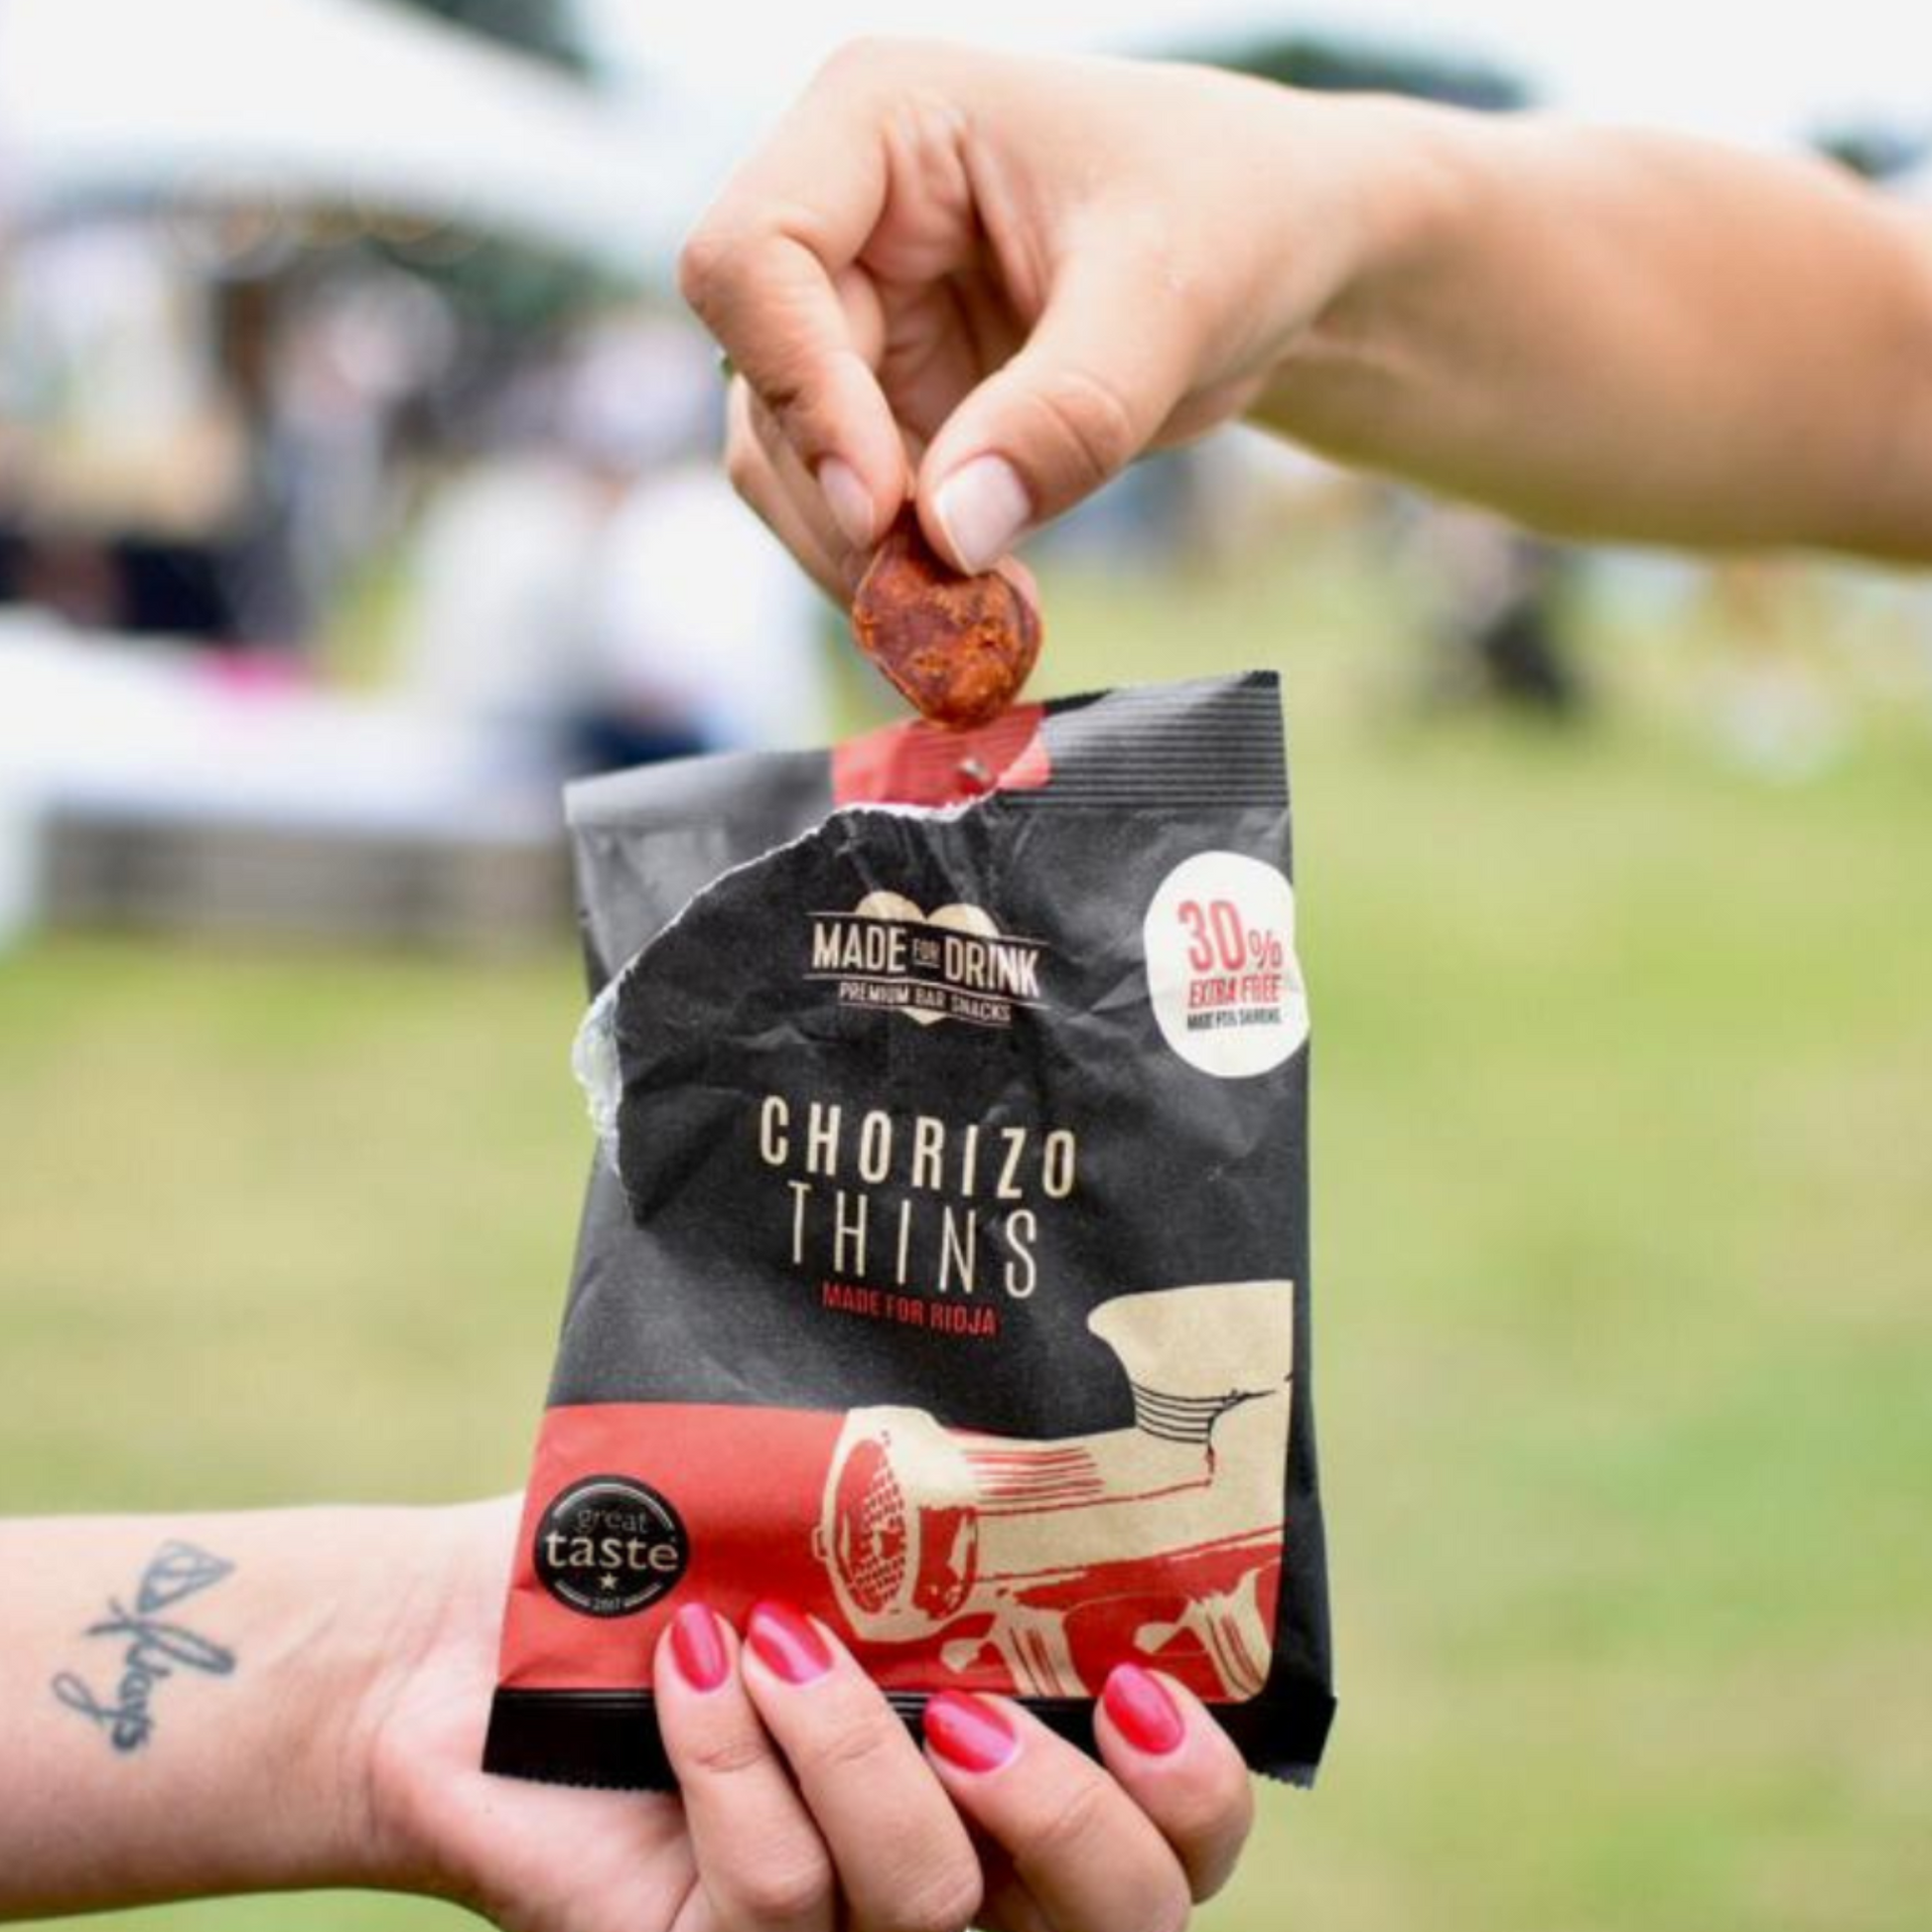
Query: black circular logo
[(609, 1546)]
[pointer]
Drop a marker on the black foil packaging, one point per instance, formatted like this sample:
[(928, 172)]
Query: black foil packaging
[(944, 1268)]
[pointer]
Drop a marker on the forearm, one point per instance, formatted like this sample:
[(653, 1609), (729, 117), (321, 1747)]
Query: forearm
[(188, 1699), (1628, 335)]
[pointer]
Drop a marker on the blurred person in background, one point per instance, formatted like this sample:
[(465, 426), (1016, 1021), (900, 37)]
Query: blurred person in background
[(354, 356), (1776, 712), (129, 453), (702, 635), (1494, 596), (200, 417), (696, 615), (495, 572), (590, 589)]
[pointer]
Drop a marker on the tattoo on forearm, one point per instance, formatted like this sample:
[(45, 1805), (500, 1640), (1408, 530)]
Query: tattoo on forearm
[(154, 1649)]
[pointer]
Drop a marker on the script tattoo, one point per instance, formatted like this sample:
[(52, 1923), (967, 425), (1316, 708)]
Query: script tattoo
[(156, 1649)]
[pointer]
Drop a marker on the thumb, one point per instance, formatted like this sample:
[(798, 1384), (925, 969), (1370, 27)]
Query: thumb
[(1109, 359)]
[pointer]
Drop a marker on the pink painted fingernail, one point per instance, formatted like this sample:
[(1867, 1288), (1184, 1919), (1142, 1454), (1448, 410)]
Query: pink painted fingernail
[(969, 1732), (848, 500), (1143, 1712), (698, 1647), (983, 507), (786, 1643)]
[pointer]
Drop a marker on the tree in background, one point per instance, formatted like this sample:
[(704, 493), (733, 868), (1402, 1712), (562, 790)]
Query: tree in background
[(1878, 150), (544, 27), (1335, 64)]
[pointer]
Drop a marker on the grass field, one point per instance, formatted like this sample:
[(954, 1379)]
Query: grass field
[(1623, 1282)]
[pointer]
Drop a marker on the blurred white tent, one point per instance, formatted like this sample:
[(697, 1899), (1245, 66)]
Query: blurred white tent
[(344, 103), (236, 801)]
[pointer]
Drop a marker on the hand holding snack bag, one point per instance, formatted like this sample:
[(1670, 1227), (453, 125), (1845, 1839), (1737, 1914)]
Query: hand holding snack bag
[(944, 1267), (283, 1699)]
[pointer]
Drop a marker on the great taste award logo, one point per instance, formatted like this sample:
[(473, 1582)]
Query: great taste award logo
[(610, 1545), (953, 963)]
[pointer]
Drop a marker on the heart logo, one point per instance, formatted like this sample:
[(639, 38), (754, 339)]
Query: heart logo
[(897, 906)]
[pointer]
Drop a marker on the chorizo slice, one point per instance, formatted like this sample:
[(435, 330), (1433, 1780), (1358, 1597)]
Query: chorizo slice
[(957, 647)]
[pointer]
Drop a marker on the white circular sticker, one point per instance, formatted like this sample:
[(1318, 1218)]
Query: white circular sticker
[(1221, 965)]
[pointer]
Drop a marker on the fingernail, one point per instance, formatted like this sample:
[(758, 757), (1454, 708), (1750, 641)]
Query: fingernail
[(983, 508), (1143, 1712), (698, 1647), (788, 1644), (846, 499), (969, 1732)]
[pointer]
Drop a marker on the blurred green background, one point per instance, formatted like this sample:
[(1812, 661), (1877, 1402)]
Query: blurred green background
[(1624, 1251)]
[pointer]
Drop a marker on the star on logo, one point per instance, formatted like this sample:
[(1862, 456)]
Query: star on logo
[(607, 1582)]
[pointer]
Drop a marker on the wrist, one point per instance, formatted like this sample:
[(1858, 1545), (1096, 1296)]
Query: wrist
[(1403, 204), (193, 1702), (342, 1605), (407, 1692)]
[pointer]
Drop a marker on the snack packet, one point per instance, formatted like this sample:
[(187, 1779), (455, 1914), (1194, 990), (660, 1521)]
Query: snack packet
[(944, 1265)]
